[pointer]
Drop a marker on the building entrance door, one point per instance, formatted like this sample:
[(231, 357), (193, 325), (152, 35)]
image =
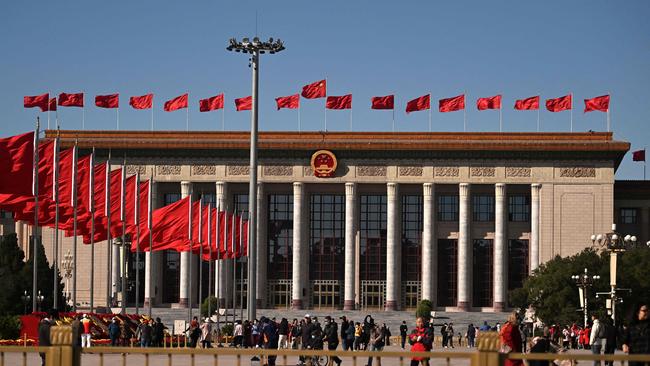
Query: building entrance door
[(279, 293), (373, 294)]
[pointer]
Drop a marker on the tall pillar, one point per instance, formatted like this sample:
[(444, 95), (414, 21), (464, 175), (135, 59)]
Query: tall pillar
[(183, 296), (223, 268), (262, 245), (350, 244), (429, 245), (534, 226), (500, 281), (299, 247), (149, 267), (393, 248), (464, 249), (115, 271)]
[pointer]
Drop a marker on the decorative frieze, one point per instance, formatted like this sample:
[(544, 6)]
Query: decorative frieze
[(410, 171), (278, 170), (446, 171), (371, 171), (169, 170), (307, 171), (517, 172), (578, 172), (482, 171), (204, 170), (134, 169), (238, 170)]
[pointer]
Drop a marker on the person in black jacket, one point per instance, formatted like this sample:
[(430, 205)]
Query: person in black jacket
[(344, 328), (283, 333), (403, 330), (331, 336), (158, 333), (44, 336), (637, 339), (610, 339)]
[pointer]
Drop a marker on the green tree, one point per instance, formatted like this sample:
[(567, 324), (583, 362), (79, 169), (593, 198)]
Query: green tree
[(12, 282), (45, 283)]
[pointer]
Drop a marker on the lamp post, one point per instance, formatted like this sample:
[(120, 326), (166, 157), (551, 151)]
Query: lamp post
[(26, 299), (255, 48), (584, 281), (68, 266), (39, 300)]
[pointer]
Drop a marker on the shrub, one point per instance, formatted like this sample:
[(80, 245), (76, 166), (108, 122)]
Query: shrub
[(9, 327), (214, 305), (227, 330), (424, 309)]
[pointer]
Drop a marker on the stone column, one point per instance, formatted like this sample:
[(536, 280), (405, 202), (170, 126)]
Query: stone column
[(464, 248), (116, 275), (149, 267), (299, 247), (393, 248), (500, 279), (350, 244), (223, 267), (429, 244), (534, 226), (262, 245), (183, 297)]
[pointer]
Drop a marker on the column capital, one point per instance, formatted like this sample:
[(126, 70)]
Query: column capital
[(427, 189), (392, 189), (350, 188), (463, 189), (186, 188), (500, 189), (536, 186)]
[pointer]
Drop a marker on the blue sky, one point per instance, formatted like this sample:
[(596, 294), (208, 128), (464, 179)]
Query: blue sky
[(367, 48)]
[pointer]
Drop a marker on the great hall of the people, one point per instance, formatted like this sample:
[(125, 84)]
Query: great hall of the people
[(372, 220)]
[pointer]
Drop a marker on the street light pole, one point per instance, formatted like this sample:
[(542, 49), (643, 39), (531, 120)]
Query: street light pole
[(584, 281), (255, 48)]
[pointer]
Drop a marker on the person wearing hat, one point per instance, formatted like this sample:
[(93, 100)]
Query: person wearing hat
[(206, 333), (85, 336), (44, 336), (114, 332)]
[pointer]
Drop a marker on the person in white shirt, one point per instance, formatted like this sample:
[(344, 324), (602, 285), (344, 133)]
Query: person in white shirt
[(596, 338)]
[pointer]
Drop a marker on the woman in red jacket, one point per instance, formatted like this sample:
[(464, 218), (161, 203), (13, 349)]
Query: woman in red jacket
[(421, 340), (511, 339)]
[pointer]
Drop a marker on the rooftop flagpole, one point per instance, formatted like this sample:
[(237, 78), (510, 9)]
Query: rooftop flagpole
[(91, 204), (34, 253), (136, 222), (55, 198)]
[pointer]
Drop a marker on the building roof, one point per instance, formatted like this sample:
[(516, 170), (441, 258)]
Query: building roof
[(632, 189)]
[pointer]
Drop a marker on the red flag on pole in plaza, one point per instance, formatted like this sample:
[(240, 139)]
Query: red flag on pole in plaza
[(290, 102), (31, 101), (107, 101), (211, 104), (385, 102), (600, 103), (452, 104), (419, 104), (141, 102), (489, 103), (315, 90), (527, 104), (638, 155), (244, 104), (177, 103), (71, 100), (339, 102), (16, 163), (52, 104), (559, 104)]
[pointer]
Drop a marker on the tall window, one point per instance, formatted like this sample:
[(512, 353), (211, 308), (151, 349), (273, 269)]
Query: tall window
[(628, 216), (240, 203), (482, 271), (519, 208), (169, 198), (373, 237), (447, 272), (447, 208), (209, 198), (280, 236), (517, 263), (483, 208), (327, 233), (411, 238)]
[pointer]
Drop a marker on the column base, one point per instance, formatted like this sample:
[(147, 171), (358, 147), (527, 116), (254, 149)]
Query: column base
[(499, 307), (349, 305), (183, 302), (463, 306), (296, 304), (148, 301), (391, 305)]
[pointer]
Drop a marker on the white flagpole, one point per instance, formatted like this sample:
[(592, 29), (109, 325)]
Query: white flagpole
[(107, 213), (500, 118), (83, 110), (223, 114), (91, 205), (48, 110), (55, 197), (571, 111), (210, 260), (187, 118), (152, 113), (609, 121), (234, 268), (429, 111), (201, 252), (136, 222), (299, 125), (123, 220), (75, 161), (350, 119), (326, 104), (537, 119), (150, 227), (393, 118), (241, 273), (189, 236), (35, 229)]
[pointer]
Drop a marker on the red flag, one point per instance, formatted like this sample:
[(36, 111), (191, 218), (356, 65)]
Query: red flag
[(244, 104), (600, 103), (211, 104), (638, 155), (71, 100), (107, 101), (340, 102), (489, 103), (419, 104), (386, 102), (52, 105), (315, 90), (452, 104), (527, 104), (559, 104), (36, 101), (16, 164), (291, 102), (177, 103), (141, 102)]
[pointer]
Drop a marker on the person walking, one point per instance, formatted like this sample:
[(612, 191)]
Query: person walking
[(206, 333), (145, 332), (421, 340), (357, 336), (283, 334), (596, 337), (331, 336), (44, 336), (349, 335), (344, 328), (511, 339), (238, 334), (269, 337), (450, 335), (471, 334), (376, 341), (86, 336), (541, 344), (610, 339), (158, 333), (443, 334), (403, 330), (114, 332), (637, 338), (295, 333)]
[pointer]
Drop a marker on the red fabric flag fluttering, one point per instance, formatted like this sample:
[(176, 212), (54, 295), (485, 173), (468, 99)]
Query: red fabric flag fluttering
[(419, 104), (16, 160), (385, 102), (489, 103), (244, 104), (339, 102), (177, 103), (36, 101), (71, 100), (141, 102), (107, 101), (638, 155), (211, 104), (52, 105), (600, 103), (527, 104), (315, 90), (559, 104), (290, 102), (452, 104)]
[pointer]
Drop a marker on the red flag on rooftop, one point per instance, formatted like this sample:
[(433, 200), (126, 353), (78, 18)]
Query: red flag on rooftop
[(419, 104), (36, 101), (489, 103), (385, 102), (527, 104), (600, 103), (211, 104), (638, 155), (339, 102), (52, 105), (452, 104), (177, 103), (559, 104), (141, 102), (315, 90), (244, 104), (290, 102), (107, 101), (71, 100)]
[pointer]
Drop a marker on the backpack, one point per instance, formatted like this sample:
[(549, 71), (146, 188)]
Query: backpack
[(602, 331)]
